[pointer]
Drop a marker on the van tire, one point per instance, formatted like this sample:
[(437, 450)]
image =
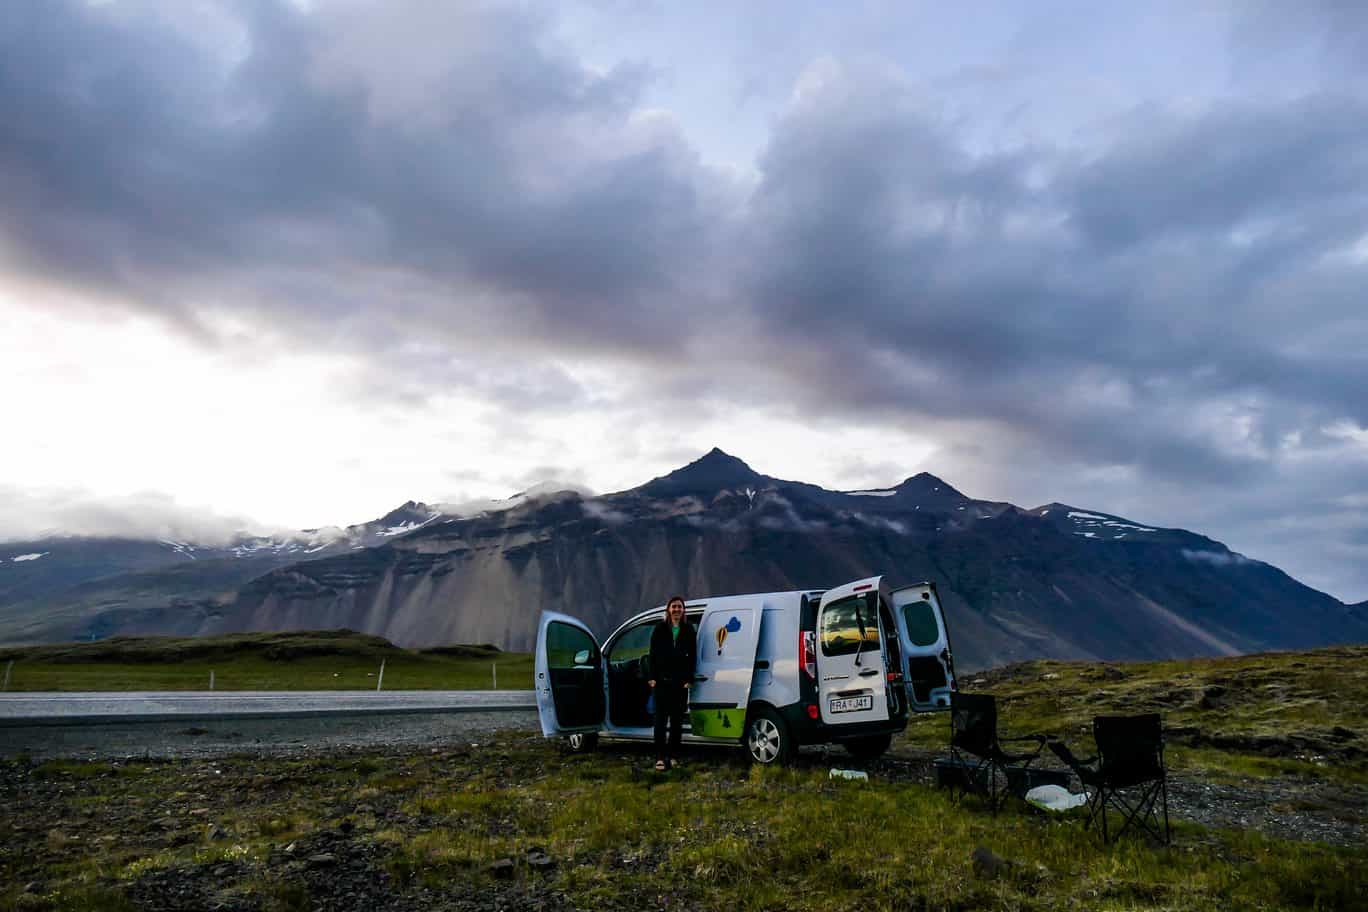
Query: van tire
[(581, 742), (867, 750), (768, 740)]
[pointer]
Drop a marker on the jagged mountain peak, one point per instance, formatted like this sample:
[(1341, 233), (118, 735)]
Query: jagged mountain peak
[(712, 471), (926, 482), (406, 511)]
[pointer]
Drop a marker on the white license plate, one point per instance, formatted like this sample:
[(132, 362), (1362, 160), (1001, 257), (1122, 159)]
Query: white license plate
[(851, 704)]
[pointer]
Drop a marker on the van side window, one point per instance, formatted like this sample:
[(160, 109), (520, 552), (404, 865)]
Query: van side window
[(922, 628), (633, 644), (841, 626)]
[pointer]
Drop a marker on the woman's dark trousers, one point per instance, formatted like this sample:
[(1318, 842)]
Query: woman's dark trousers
[(671, 699)]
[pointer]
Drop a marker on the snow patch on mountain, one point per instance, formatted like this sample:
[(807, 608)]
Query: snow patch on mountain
[(30, 557), (1103, 523), (403, 528)]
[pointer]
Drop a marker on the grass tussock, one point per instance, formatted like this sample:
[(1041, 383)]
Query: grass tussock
[(1273, 714), (305, 660)]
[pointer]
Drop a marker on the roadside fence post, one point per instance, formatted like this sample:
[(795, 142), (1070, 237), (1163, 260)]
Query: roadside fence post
[(495, 668), (211, 679), (381, 680), (9, 666)]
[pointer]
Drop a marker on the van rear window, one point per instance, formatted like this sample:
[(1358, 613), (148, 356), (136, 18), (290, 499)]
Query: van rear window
[(845, 623)]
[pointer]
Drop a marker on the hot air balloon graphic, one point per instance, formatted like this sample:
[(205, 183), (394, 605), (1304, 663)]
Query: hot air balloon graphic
[(732, 626)]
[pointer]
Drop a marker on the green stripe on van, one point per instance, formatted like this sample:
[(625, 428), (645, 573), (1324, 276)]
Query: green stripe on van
[(718, 723)]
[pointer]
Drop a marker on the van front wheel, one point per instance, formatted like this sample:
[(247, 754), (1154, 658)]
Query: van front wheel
[(867, 750), (767, 737)]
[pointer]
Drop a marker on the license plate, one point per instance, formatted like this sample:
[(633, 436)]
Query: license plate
[(851, 704)]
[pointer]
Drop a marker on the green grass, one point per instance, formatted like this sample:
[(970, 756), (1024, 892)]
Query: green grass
[(314, 660), (1273, 714), (716, 835)]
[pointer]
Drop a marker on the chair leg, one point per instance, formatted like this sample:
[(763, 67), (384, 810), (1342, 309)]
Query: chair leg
[(1094, 805), (1103, 811), (1168, 836), (1142, 812), (1137, 812)]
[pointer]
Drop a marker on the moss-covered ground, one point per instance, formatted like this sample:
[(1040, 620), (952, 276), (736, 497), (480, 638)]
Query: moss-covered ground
[(422, 831), (1274, 714)]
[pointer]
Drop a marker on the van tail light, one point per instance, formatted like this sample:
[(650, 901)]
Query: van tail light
[(812, 711), (807, 652)]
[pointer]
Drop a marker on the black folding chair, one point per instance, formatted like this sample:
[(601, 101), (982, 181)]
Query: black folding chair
[(982, 766), (1127, 775)]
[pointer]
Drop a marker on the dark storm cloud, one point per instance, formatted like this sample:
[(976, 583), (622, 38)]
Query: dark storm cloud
[(517, 193), (1179, 296), (1110, 305)]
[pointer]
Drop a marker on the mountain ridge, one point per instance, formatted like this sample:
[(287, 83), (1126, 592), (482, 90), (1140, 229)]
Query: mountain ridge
[(1056, 580)]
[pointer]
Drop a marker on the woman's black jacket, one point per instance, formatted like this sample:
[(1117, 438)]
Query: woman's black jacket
[(673, 659)]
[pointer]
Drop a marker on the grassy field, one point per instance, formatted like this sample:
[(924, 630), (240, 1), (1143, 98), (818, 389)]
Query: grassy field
[(425, 828), (371, 831), (310, 660), (1301, 714)]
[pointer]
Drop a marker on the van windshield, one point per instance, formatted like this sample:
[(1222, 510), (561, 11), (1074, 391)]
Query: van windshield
[(841, 625)]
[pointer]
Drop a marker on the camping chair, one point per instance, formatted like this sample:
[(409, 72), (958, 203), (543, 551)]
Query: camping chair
[(981, 764), (1128, 776)]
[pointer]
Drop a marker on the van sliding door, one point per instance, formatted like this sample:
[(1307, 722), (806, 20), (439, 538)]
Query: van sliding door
[(727, 641)]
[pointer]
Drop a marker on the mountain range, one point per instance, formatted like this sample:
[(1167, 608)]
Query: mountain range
[(1057, 580)]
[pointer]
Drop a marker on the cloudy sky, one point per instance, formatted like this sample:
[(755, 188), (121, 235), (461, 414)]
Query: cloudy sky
[(292, 263)]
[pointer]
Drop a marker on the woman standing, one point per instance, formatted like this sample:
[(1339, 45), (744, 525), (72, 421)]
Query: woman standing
[(673, 653)]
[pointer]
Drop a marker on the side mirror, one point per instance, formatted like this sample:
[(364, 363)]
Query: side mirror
[(582, 657)]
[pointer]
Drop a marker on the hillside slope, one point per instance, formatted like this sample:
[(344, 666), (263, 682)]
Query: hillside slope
[(1055, 581), (1016, 583)]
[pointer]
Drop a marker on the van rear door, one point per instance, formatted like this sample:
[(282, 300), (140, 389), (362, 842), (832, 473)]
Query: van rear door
[(727, 641), (570, 683), (851, 674), (928, 664)]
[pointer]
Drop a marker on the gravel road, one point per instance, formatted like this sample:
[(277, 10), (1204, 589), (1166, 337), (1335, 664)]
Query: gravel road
[(78, 708), (279, 736)]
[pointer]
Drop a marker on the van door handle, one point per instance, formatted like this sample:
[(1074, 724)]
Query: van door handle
[(700, 677), (869, 671), (762, 664)]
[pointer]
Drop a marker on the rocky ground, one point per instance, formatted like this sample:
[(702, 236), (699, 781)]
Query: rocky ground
[(338, 830), (1282, 807)]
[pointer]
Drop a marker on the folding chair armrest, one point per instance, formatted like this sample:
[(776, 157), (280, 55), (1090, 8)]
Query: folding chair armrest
[(1061, 750)]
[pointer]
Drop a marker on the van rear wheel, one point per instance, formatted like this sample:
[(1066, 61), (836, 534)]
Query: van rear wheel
[(768, 740), (867, 750)]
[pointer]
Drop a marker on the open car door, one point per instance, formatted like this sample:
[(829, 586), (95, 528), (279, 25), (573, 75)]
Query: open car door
[(928, 664), (570, 676), (852, 675), (727, 641)]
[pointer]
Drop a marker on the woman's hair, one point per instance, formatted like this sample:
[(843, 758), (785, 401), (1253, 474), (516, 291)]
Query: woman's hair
[(673, 599)]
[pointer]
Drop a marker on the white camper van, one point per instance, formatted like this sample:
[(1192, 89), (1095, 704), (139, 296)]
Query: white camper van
[(775, 670)]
